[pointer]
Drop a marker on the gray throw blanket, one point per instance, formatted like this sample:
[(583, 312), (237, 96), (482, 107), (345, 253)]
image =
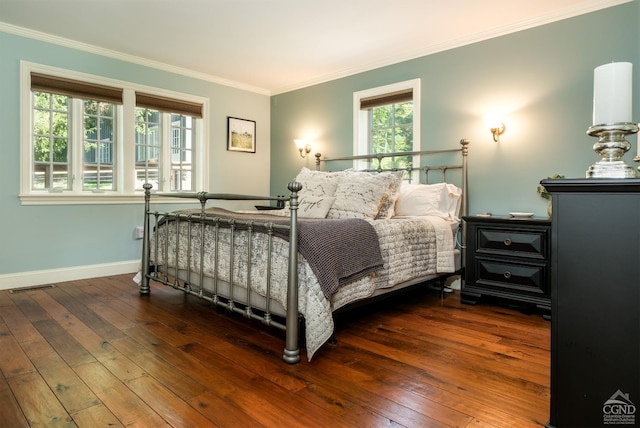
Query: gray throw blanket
[(337, 250)]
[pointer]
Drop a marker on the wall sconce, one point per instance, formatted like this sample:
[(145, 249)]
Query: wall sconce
[(496, 126), (303, 147)]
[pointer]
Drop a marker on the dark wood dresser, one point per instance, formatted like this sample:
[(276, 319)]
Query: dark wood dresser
[(595, 295), (508, 258)]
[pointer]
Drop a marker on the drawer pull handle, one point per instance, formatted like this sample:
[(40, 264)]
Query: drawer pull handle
[(507, 242), (507, 274)]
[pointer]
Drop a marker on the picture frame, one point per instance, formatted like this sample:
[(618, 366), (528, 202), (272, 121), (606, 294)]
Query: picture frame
[(241, 135)]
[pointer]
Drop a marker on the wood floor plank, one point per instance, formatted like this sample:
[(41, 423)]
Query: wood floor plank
[(366, 391), (37, 401), (96, 416), (222, 413), (111, 315), (175, 411), (10, 412), (63, 343), (468, 356), (13, 360), (343, 409), (77, 302), (5, 299), (176, 380), (128, 407), (505, 391), (21, 328), (257, 397), (67, 386), (16, 321), (97, 346), (32, 310)]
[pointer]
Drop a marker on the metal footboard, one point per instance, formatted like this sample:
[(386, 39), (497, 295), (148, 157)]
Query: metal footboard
[(192, 279)]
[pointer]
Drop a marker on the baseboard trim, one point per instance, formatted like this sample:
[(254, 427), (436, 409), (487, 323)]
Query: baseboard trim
[(51, 276)]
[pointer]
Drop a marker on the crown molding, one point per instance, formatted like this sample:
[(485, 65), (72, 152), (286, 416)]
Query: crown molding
[(74, 44)]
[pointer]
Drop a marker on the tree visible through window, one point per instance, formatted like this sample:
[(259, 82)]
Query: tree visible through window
[(50, 141), (390, 131), (386, 120)]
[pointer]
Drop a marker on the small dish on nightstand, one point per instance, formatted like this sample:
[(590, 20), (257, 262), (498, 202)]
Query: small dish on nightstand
[(520, 215)]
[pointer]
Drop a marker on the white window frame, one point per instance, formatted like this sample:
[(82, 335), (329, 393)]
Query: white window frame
[(124, 153), (361, 119)]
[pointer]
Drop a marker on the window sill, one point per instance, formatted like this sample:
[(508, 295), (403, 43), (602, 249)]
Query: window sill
[(93, 199)]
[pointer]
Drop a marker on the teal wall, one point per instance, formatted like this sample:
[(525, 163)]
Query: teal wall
[(542, 78), (42, 238)]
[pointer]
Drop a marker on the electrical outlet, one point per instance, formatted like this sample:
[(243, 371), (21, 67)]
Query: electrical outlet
[(138, 232)]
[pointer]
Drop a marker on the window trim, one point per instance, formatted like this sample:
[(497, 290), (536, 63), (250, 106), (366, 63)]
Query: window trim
[(126, 192), (360, 117)]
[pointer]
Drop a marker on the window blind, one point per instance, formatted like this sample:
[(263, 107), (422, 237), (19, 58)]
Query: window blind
[(75, 88), (385, 99), (168, 105)]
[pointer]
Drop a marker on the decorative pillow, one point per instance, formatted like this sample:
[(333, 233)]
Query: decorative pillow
[(387, 208), (318, 183), (441, 200), (365, 195), (315, 206)]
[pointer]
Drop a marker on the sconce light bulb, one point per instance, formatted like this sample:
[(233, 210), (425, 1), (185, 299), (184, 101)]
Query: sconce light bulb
[(495, 124), (497, 132), (303, 147)]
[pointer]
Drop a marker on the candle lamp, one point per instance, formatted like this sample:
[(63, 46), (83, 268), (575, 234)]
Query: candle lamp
[(612, 91)]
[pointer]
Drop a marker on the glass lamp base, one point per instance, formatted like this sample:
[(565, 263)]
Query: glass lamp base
[(617, 169), (611, 147)]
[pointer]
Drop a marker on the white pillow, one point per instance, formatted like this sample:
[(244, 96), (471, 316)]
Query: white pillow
[(365, 195), (311, 206), (441, 200)]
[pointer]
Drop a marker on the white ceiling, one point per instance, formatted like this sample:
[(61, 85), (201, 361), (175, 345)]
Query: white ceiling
[(273, 46)]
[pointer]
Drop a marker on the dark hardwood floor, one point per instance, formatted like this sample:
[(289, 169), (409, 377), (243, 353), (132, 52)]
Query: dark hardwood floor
[(95, 353)]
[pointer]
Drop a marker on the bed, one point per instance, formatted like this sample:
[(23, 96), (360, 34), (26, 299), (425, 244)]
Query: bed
[(342, 237)]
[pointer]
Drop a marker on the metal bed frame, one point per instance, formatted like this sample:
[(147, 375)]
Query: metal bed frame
[(246, 304)]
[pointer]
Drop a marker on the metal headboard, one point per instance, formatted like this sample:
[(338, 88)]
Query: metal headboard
[(425, 154)]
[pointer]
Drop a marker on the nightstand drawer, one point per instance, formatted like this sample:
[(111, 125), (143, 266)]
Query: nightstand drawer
[(516, 243), (513, 276)]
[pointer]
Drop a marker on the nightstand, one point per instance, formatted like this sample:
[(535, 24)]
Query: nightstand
[(508, 258)]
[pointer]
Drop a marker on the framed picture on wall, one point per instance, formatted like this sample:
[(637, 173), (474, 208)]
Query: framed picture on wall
[(241, 135)]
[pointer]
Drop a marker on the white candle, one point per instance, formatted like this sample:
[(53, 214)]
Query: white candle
[(612, 91)]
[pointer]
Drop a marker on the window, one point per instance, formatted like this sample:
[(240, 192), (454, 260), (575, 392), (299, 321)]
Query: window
[(99, 143), (50, 141), (88, 140), (148, 147), (384, 123), (182, 136)]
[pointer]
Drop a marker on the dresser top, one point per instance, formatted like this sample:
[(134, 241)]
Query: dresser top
[(586, 185)]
